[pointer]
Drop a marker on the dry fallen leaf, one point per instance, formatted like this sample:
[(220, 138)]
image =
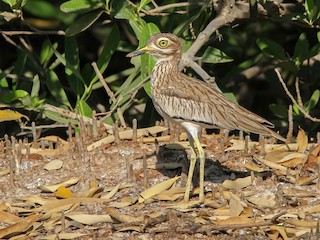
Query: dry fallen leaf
[(293, 192), (282, 169), (89, 219), (262, 201), (302, 140), (254, 167), (127, 134), (64, 236), (235, 220), (238, 183), (64, 192), (168, 165), (185, 205), (154, 190), (4, 172), (235, 206), (19, 226), (54, 187), (301, 223), (53, 165), (112, 192), (123, 218), (9, 115), (281, 230), (6, 217)]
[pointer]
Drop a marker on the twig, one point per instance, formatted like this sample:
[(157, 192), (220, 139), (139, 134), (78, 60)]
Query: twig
[(228, 12), (103, 82), (210, 227), (72, 115), (168, 6), (290, 123), (132, 91), (13, 33), (299, 99), (306, 115), (45, 126), (121, 118)]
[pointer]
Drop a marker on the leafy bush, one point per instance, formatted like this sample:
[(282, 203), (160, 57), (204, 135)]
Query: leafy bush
[(48, 48)]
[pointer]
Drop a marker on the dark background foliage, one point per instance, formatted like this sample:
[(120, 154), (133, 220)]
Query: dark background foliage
[(47, 48)]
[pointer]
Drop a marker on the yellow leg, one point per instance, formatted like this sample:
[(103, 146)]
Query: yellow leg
[(193, 160), (202, 162)]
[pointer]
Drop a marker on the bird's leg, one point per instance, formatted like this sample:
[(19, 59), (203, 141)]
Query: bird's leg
[(193, 160), (202, 162)]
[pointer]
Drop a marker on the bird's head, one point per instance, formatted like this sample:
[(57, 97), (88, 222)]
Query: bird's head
[(161, 46)]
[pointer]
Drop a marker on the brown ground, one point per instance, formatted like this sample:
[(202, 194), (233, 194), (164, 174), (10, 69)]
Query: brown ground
[(272, 196)]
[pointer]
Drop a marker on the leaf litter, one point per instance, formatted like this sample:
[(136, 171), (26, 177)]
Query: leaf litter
[(109, 189)]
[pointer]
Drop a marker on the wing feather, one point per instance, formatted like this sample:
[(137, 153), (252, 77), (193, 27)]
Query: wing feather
[(195, 101)]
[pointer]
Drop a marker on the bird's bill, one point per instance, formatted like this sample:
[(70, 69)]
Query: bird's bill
[(140, 51)]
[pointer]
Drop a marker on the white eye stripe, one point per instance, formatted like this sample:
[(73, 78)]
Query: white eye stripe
[(163, 38)]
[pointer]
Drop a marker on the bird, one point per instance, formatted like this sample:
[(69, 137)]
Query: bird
[(192, 103)]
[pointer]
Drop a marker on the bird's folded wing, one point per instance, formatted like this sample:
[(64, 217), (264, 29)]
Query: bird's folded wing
[(201, 103)]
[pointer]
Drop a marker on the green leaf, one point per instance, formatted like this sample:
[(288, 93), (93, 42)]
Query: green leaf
[(147, 61), (67, 64), (137, 26), (309, 6), (3, 81), (19, 66), (315, 50), (122, 10), (13, 95), (301, 50), (295, 109), (58, 118), (15, 4), (143, 3), (42, 9), (231, 97), (10, 2), (214, 55), (147, 88), (83, 23), (35, 86), (56, 88), (47, 52), (312, 8), (80, 6), (279, 110), (73, 68), (313, 101), (271, 48), (110, 46), (127, 82), (83, 108)]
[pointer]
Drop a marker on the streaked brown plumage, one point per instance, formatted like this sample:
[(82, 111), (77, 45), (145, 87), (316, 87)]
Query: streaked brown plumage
[(193, 103)]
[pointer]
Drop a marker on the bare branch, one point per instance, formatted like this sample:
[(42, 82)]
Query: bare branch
[(103, 82), (13, 33), (290, 124), (306, 115), (227, 13), (299, 99)]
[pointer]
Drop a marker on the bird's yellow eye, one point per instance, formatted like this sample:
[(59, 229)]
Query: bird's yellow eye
[(163, 43)]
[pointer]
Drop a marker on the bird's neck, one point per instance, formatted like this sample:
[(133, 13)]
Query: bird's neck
[(163, 71)]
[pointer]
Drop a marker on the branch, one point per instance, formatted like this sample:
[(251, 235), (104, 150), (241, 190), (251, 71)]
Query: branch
[(13, 33), (228, 12), (306, 115), (103, 82)]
